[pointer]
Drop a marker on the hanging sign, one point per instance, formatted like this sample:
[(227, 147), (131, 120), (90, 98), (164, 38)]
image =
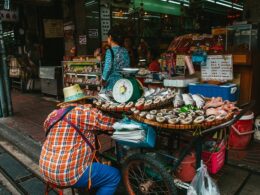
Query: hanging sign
[(9, 16), (93, 33), (218, 68), (53, 28), (105, 21), (83, 39), (180, 70), (180, 60)]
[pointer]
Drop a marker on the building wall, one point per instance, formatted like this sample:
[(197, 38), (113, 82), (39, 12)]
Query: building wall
[(251, 11), (80, 20)]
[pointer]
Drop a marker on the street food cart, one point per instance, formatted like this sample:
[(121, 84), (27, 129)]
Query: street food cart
[(181, 124)]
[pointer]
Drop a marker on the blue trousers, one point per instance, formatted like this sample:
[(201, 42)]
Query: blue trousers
[(103, 178)]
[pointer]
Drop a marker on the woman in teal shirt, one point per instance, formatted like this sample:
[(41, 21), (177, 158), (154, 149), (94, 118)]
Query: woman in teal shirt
[(116, 59)]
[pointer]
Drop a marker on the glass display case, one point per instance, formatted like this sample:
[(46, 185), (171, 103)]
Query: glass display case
[(86, 73), (242, 38)]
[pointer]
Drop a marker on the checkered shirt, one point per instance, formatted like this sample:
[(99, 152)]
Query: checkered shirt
[(65, 155)]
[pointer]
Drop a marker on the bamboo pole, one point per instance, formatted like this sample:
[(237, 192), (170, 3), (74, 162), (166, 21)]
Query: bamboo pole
[(5, 73)]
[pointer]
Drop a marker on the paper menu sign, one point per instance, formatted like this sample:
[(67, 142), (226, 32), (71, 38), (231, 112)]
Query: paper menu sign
[(218, 68), (180, 60)]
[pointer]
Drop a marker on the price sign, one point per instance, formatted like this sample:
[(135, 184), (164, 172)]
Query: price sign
[(105, 21), (218, 68), (53, 28), (93, 33), (180, 70), (82, 39)]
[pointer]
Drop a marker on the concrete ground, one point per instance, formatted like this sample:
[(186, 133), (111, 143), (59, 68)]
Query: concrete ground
[(24, 132)]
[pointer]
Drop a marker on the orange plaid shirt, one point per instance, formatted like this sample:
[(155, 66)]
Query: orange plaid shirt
[(65, 155)]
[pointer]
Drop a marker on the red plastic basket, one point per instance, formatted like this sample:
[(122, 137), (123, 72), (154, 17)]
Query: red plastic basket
[(215, 160)]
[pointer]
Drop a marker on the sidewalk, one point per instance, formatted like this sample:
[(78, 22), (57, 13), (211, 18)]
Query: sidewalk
[(30, 111), (25, 128)]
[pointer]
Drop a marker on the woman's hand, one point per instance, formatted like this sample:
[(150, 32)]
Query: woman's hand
[(97, 54)]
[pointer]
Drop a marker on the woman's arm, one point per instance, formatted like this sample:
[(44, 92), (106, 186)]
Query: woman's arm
[(104, 122), (93, 119), (107, 66)]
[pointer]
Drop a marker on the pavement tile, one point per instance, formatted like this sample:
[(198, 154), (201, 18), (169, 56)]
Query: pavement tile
[(252, 186), (1, 150), (248, 158), (35, 186), (231, 180), (12, 167)]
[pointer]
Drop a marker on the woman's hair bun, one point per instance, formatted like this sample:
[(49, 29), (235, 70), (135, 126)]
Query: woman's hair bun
[(117, 34)]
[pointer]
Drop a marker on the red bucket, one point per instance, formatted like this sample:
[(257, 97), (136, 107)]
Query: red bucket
[(241, 132), (187, 169)]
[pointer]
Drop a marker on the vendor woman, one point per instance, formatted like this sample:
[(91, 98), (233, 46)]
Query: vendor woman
[(116, 58)]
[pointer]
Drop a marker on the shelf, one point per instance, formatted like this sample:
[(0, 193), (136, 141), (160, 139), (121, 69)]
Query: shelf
[(83, 74), (94, 85), (154, 82), (17, 82), (142, 76), (80, 63)]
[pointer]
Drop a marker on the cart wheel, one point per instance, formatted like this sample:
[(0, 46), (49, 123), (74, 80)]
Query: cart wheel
[(142, 174)]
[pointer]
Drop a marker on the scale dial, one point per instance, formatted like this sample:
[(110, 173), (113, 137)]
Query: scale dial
[(123, 90)]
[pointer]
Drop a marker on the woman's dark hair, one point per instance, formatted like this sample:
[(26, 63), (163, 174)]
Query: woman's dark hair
[(117, 34)]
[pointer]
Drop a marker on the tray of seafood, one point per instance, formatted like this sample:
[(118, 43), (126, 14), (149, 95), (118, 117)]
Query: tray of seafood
[(189, 112), (151, 99), (109, 106), (154, 99)]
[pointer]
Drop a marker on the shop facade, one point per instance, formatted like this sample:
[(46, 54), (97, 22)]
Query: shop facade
[(207, 68)]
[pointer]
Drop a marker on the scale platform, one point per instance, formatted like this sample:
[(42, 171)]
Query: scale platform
[(179, 81)]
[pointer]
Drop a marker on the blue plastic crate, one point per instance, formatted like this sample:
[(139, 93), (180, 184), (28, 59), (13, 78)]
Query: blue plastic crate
[(227, 91)]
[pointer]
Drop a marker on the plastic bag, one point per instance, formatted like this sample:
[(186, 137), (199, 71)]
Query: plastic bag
[(122, 125), (257, 128), (202, 184), (134, 134)]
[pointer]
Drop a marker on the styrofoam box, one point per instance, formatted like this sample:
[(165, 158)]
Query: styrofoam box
[(227, 91), (179, 81)]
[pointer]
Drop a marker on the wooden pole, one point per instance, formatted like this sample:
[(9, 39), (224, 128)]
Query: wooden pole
[(5, 74), (2, 93), (6, 108), (1, 114)]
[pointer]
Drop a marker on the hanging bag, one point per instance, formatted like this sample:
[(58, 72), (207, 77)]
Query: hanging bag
[(202, 184)]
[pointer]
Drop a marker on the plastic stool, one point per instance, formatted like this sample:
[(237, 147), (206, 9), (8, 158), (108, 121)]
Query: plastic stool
[(49, 186)]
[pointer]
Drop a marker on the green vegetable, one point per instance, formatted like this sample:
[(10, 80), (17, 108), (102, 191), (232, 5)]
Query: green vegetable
[(188, 108)]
